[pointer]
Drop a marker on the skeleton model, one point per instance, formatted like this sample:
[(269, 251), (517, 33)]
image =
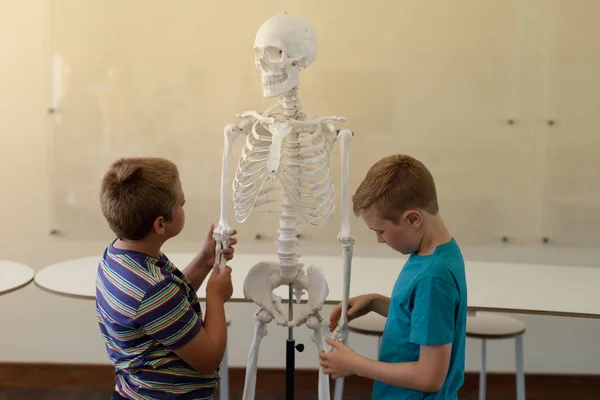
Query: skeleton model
[(287, 157)]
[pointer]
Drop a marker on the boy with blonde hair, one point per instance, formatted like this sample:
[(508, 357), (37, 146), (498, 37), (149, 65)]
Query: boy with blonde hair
[(422, 353), (147, 309)]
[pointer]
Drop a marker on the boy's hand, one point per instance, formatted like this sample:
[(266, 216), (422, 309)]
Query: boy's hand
[(357, 307), (339, 362), (219, 286), (207, 253)]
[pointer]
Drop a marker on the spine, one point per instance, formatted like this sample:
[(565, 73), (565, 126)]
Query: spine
[(288, 240), (289, 103), (288, 221)]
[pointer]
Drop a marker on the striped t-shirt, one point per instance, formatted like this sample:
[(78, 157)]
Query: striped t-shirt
[(146, 308)]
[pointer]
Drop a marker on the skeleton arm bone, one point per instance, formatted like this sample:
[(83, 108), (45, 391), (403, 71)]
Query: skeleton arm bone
[(345, 139), (344, 237), (224, 231)]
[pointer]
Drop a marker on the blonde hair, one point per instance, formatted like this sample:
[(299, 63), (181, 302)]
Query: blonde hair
[(136, 191), (395, 184)]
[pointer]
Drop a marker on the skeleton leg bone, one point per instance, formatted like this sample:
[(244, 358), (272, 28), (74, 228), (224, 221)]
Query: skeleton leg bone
[(315, 322), (261, 319)]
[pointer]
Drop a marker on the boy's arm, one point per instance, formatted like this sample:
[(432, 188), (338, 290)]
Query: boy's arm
[(166, 314), (380, 304), (205, 351), (197, 270), (432, 327), (432, 322), (426, 375)]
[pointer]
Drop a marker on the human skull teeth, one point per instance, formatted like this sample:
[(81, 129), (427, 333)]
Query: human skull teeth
[(271, 80)]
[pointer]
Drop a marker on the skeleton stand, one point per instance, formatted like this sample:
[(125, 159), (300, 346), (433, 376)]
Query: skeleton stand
[(290, 355)]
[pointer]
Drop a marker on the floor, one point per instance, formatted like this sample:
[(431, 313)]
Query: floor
[(54, 394), (82, 394)]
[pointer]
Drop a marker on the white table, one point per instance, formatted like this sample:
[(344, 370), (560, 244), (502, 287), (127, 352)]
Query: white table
[(73, 278), (493, 286), (14, 276)]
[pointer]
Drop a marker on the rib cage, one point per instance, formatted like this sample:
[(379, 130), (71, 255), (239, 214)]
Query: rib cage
[(304, 174)]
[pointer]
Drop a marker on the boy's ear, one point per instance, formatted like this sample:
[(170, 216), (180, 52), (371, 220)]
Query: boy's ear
[(159, 225), (413, 217)]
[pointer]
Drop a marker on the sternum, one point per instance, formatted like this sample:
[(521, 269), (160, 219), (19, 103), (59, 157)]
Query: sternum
[(288, 240)]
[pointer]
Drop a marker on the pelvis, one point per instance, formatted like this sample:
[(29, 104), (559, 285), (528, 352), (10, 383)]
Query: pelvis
[(264, 278)]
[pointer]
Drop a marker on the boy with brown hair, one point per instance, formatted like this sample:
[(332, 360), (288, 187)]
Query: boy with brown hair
[(147, 309), (422, 351)]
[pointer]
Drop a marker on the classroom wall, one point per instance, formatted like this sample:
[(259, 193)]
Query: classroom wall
[(468, 87), (439, 83)]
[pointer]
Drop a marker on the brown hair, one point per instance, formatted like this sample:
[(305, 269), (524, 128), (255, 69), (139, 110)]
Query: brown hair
[(395, 184), (136, 191)]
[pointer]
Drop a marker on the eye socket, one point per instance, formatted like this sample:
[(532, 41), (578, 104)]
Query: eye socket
[(274, 54)]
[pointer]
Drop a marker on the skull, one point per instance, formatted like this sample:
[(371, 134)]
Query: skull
[(284, 44)]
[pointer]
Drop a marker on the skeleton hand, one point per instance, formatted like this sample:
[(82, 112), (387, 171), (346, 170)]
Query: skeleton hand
[(338, 335), (213, 251), (222, 236)]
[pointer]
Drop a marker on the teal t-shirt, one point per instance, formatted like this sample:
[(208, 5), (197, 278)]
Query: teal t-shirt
[(428, 307)]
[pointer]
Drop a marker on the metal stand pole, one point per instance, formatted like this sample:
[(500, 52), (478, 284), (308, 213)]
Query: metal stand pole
[(290, 353)]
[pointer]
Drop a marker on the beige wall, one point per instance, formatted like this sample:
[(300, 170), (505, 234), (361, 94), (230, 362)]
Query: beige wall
[(437, 82)]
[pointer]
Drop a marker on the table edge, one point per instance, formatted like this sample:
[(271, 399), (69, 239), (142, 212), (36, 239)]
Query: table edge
[(64, 294), (14, 289), (535, 312), (330, 302)]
